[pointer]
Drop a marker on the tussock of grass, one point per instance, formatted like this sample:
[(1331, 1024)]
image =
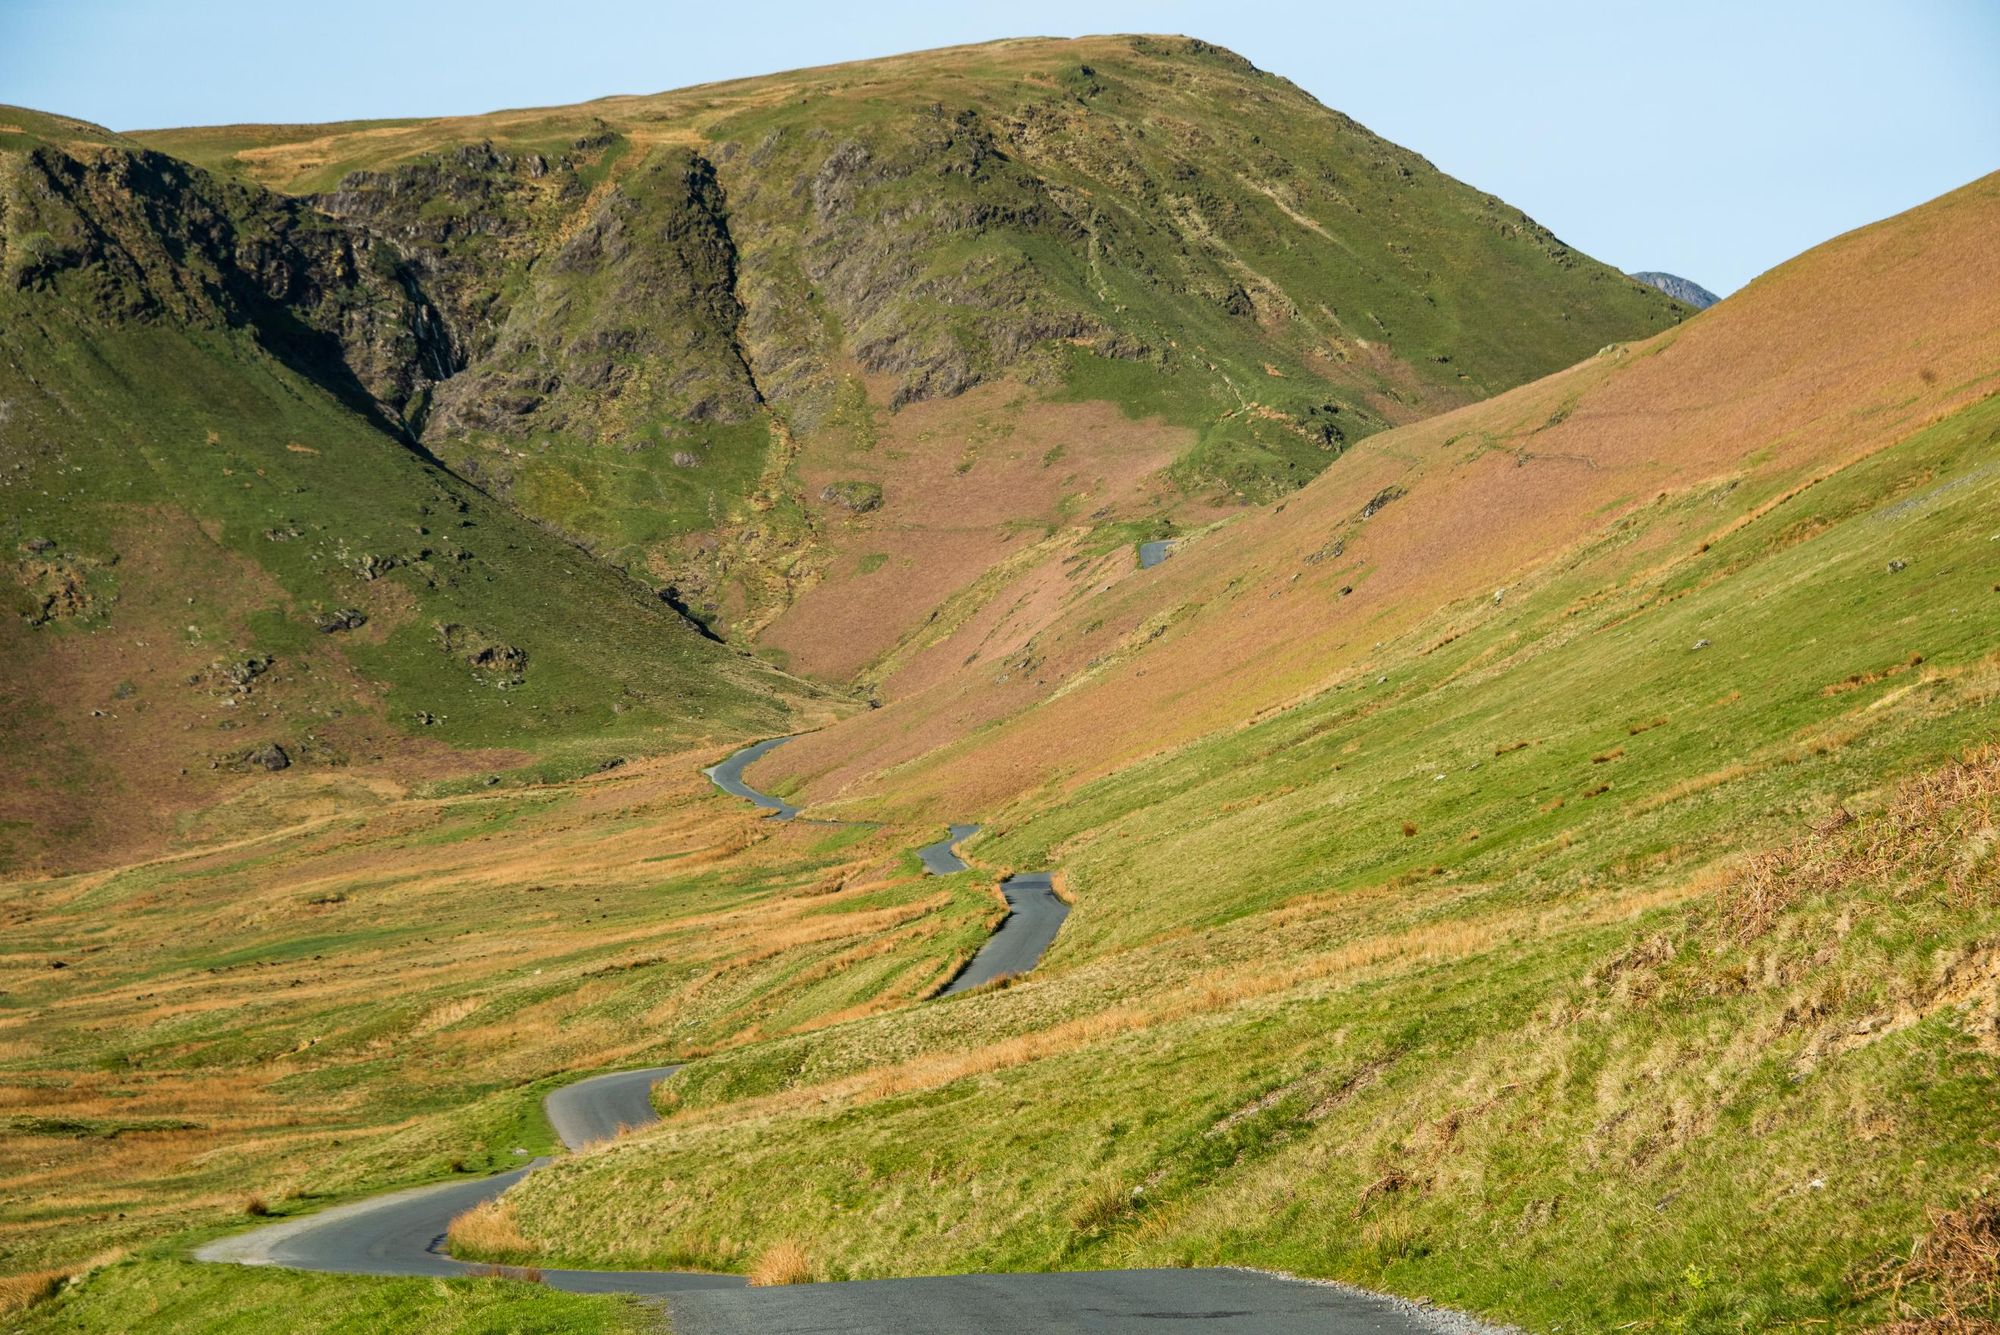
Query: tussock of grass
[(20, 1292), (489, 1232), (783, 1262)]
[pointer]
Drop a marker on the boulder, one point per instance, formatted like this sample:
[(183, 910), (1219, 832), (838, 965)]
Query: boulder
[(269, 756), (856, 497)]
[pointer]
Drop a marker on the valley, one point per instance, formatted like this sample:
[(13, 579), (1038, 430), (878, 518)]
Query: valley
[(1467, 788)]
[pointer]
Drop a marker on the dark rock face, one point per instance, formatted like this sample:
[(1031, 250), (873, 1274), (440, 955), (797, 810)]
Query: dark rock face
[(492, 661), (632, 321), (347, 618), (132, 234), (1680, 289), (855, 497), (269, 756)]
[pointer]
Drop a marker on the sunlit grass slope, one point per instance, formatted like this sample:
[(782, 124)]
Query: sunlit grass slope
[(1617, 947), (382, 996)]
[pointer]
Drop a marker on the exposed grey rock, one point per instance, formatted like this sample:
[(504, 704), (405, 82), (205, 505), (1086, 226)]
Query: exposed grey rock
[(1381, 499), (347, 618), (269, 756), (858, 497), (1680, 289), (237, 676)]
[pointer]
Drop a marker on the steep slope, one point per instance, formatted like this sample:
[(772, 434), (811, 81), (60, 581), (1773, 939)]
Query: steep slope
[(223, 560), (1813, 367), (683, 326), (1546, 865), (1680, 289)]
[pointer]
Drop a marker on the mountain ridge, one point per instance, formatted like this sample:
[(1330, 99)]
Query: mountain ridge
[(1082, 202)]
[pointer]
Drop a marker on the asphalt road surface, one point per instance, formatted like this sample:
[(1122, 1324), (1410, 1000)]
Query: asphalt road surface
[(728, 776), (1017, 944), (1103, 1302), (604, 1106), (941, 858), (402, 1232)]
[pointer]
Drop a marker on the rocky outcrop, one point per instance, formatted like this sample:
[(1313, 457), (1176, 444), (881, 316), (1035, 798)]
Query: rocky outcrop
[(628, 331), (124, 234), (493, 662)]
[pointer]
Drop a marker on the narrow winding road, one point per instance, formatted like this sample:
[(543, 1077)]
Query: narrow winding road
[(403, 1232), (1034, 917), (728, 776), (1034, 911)]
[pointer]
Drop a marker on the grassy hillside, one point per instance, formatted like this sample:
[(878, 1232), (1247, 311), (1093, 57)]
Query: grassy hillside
[(676, 321), (382, 996), (1629, 468), (1544, 863), (216, 544), (1614, 948)]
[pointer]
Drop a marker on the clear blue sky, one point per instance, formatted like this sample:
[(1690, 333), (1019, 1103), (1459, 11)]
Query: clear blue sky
[(1710, 138)]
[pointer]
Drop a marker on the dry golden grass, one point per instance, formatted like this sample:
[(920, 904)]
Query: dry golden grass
[(20, 1292), (596, 926), (783, 1262), (488, 1231), (1937, 831)]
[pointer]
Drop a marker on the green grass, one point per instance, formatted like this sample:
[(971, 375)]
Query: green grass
[(183, 1298), (591, 638), (126, 436), (1529, 1072), (1246, 261)]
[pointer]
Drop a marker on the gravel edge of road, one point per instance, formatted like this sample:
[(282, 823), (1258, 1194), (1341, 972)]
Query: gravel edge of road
[(1441, 1320)]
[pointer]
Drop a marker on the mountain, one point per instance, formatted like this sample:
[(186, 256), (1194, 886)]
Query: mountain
[(390, 410), (226, 561), (1680, 289), (761, 340)]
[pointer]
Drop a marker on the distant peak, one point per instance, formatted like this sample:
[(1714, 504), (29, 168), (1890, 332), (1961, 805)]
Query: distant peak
[(1679, 288)]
